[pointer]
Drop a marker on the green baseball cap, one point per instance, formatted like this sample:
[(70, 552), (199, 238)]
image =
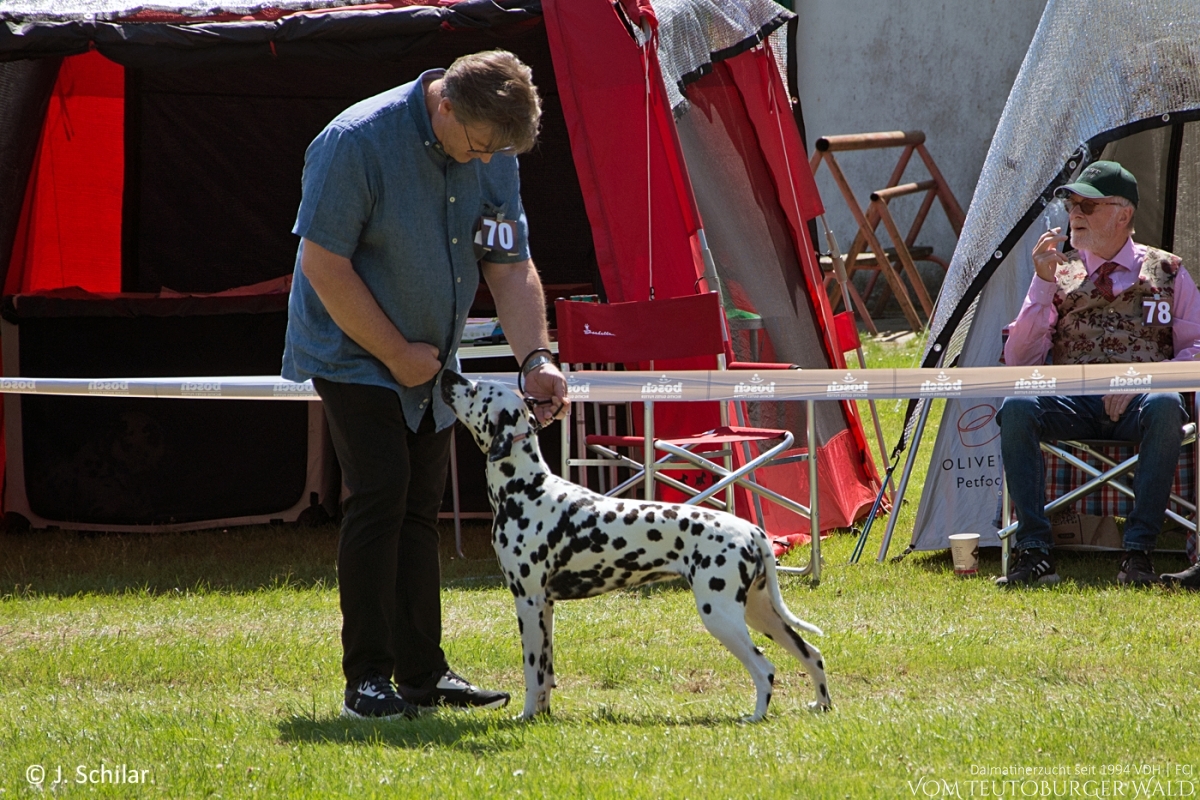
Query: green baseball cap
[(1103, 179)]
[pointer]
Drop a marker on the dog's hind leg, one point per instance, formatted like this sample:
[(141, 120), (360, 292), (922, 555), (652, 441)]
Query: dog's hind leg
[(725, 619), (535, 618), (762, 616)]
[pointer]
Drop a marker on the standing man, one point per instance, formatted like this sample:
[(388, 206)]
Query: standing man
[(1107, 301), (407, 197)]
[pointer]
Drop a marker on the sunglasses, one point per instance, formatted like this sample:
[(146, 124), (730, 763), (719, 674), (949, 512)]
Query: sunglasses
[(475, 151), (1086, 207)]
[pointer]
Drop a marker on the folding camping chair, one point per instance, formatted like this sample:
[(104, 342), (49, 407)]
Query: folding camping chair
[(605, 336), (1103, 491), (866, 252)]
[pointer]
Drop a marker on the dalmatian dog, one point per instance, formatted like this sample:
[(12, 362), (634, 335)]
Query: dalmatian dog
[(557, 540)]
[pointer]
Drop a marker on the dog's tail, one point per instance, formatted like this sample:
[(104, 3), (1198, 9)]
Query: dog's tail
[(768, 556)]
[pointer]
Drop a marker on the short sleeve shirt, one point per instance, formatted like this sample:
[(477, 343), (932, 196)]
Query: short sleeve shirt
[(379, 190)]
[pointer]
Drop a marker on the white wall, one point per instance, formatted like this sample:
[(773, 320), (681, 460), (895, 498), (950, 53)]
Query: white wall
[(941, 66)]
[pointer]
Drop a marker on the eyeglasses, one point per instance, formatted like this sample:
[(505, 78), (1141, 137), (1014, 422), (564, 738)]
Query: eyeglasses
[(1086, 207), (475, 151)]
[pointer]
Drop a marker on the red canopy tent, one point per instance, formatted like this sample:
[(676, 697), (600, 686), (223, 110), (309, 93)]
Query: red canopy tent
[(163, 151)]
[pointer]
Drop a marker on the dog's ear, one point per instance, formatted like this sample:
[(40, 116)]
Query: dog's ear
[(506, 429)]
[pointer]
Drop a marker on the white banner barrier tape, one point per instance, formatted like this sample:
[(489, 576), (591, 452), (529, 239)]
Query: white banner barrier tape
[(701, 385)]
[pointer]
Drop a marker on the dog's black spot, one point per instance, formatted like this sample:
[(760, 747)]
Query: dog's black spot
[(706, 608), (683, 524), (824, 691), (532, 659), (523, 523), (670, 513), (520, 625), (697, 529), (650, 517), (695, 515), (630, 518), (820, 664), (678, 543), (618, 543), (672, 555), (705, 562), (502, 538), (720, 561), (800, 643), (508, 469), (524, 570), (740, 596), (610, 516), (654, 535), (716, 584), (771, 678)]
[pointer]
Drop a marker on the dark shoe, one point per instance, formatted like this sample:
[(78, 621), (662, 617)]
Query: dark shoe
[(1137, 569), (1031, 568), (1188, 579), (375, 698), (450, 689)]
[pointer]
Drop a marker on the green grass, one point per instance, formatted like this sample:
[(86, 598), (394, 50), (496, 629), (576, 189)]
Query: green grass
[(211, 660)]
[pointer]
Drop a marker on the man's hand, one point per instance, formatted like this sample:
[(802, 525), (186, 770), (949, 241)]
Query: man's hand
[(1046, 257), (546, 383), (1115, 405), (419, 364)]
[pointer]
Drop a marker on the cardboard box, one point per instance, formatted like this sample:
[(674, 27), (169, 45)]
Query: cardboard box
[(1085, 531)]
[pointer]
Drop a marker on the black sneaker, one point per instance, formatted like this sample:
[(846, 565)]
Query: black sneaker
[(1188, 579), (1137, 569), (1031, 567), (375, 698), (450, 689)]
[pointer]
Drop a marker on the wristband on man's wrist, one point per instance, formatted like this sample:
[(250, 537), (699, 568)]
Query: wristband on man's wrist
[(535, 359)]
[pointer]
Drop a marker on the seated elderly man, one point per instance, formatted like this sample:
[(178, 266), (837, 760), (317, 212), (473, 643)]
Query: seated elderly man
[(1107, 301)]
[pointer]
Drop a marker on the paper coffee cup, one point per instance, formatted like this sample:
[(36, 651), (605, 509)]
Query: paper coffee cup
[(964, 550)]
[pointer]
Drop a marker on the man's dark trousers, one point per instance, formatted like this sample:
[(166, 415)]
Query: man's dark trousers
[(388, 571), (1155, 421)]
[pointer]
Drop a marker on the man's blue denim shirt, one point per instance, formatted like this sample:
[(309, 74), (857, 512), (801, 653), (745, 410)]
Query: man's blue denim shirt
[(379, 190)]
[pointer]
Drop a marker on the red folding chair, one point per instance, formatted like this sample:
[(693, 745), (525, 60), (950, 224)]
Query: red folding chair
[(679, 333)]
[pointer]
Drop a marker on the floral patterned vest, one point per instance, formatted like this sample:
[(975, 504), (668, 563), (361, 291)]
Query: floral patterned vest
[(1134, 326)]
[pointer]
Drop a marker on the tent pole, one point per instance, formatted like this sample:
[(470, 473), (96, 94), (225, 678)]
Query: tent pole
[(914, 446), (839, 268)]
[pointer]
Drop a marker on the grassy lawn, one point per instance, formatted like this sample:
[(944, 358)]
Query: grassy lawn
[(209, 664)]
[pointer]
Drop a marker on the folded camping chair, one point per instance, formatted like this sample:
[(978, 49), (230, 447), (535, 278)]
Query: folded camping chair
[(1089, 475), (609, 336)]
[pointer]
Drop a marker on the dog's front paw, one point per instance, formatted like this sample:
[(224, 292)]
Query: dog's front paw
[(817, 706)]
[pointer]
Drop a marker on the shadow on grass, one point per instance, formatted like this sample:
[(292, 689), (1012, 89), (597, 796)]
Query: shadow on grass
[(58, 563), (480, 733), (467, 731), (1081, 569)]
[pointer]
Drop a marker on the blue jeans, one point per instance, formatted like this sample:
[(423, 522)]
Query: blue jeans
[(1155, 421)]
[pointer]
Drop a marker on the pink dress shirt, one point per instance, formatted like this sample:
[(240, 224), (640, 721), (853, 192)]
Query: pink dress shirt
[(1029, 334)]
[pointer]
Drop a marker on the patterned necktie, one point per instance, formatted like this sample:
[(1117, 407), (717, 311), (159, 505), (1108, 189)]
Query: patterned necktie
[(1103, 279)]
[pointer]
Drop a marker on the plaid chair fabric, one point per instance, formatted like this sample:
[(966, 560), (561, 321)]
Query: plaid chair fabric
[(1061, 477)]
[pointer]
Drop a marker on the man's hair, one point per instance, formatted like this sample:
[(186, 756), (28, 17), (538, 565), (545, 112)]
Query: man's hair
[(1124, 203), (495, 89)]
